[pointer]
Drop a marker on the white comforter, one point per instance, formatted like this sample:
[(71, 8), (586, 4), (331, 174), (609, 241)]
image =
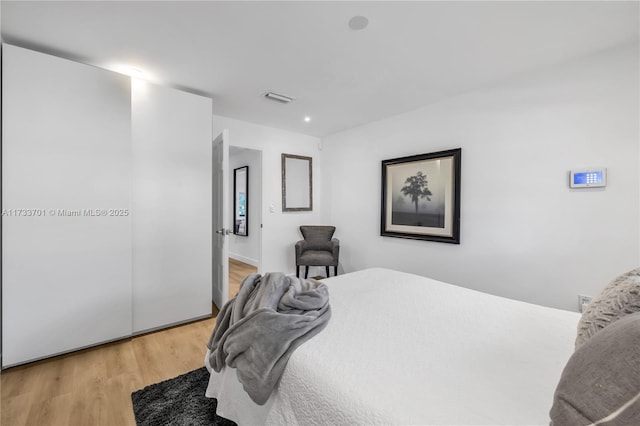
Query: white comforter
[(402, 349)]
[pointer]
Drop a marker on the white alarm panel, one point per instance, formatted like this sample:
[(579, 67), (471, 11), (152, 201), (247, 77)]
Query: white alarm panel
[(588, 178)]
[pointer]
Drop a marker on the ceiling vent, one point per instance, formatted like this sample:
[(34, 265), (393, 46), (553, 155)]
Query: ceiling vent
[(278, 98)]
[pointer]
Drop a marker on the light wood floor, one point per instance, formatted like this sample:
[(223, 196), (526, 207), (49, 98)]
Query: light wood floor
[(93, 386), (237, 272)]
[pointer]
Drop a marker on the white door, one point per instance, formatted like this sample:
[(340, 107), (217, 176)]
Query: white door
[(221, 210), (66, 156), (171, 206)]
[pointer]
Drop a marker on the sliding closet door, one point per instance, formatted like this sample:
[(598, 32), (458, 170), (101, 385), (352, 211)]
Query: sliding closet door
[(171, 206), (66, 169)]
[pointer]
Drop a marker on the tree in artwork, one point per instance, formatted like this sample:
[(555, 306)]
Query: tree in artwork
[(416, 187)]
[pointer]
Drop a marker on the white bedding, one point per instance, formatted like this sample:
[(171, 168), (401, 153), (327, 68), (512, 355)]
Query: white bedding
[(402, 349)]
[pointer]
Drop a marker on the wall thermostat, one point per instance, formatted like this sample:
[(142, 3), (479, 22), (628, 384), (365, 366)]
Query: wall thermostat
[(588, 178)]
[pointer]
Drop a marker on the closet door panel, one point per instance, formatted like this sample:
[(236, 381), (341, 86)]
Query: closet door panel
[(171, 206), (66, 169)]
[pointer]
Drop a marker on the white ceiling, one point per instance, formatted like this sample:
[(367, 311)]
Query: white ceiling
[(411, 54)]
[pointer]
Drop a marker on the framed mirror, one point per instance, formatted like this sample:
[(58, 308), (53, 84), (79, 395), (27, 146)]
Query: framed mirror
[(297, 185), (241, 201)]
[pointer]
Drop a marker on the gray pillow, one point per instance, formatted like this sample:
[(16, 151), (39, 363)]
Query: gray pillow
[(601, 382), (619, 298)]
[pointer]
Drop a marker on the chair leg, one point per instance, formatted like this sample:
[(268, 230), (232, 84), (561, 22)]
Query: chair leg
[(326, 268), (306, 272), (335, 270)]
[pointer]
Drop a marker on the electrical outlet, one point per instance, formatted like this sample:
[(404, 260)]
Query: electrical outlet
[(583, 301)]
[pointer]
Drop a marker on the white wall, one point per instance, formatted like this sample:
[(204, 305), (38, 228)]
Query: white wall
[(66, 152), (171, 206), (247, 248), (524, 233), (280, 229)]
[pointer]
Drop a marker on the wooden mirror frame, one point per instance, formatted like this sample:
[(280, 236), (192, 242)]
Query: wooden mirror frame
[(297, 183)]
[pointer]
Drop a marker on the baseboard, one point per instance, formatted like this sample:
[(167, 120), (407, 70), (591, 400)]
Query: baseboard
[(243, 259)]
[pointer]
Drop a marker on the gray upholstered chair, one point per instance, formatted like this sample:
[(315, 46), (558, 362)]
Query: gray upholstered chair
[(317, 249)]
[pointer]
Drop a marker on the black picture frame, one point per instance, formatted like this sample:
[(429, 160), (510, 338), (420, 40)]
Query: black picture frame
[(241, 201), (421, 197)]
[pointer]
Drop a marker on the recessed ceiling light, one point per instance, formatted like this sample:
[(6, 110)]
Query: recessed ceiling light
[(307, 119), (358, 23)]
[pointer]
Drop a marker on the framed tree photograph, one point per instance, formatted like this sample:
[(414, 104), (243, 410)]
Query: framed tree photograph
[(421, 197)]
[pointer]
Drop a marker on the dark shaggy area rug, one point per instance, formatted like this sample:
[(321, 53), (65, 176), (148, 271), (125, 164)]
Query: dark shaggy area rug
[(177, 402)]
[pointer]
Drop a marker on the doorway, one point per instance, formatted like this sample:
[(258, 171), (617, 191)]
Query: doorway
[(245, 248)]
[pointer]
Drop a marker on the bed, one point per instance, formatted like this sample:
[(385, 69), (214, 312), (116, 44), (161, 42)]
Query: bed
[(405, 349)]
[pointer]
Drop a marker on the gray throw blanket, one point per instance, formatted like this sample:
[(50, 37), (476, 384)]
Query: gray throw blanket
[(257, 331)]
